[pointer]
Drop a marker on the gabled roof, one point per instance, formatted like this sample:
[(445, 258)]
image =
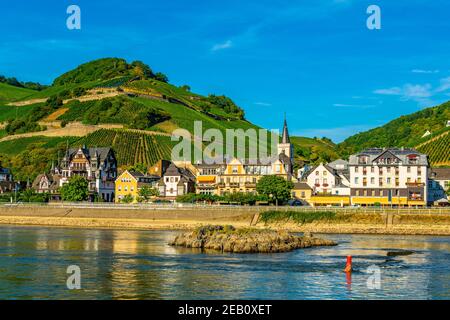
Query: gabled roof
[(301, 186), (53, 180), (401, 154), (100, 153), (329, 169)]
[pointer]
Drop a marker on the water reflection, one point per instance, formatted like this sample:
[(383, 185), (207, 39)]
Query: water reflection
[(140, 265)]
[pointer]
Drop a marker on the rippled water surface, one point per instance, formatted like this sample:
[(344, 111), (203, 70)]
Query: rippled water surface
[(140, 265)]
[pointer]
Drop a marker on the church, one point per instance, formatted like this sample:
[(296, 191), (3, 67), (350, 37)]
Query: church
[(242, 175)]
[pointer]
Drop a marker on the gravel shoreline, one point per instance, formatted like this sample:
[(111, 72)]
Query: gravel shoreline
[(185, 224)]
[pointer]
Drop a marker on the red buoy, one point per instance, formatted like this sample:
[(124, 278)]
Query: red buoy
[(348, 266)]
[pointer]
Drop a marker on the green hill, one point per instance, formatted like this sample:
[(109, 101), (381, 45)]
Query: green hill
[(109, 91), (9, 93), (437, 147), (405, 131), (314, 150)]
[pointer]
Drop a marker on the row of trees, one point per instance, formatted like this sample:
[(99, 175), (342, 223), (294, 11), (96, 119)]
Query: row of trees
[(270, 188), (16, 83)]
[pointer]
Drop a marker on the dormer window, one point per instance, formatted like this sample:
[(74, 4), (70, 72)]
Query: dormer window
[(412, 159), (363, 159)]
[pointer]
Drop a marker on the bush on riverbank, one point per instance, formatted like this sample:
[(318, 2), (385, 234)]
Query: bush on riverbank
[(300, 217), (234, 198), (303, 217)]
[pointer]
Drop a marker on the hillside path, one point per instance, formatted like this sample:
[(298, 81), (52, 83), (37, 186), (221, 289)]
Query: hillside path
[(77, 129)]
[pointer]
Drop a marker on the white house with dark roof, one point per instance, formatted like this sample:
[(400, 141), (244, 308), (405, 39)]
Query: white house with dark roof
[(97, 165), (326, 179), (176, 182), (388, 177)]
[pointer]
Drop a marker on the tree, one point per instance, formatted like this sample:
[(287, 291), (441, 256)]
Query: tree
[(275, 187), (75, 190), (128, 198), (146, 192), (142, 70), (161, 77)]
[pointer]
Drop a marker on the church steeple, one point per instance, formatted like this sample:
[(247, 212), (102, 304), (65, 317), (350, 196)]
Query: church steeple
[(285, 148), (285, 136)]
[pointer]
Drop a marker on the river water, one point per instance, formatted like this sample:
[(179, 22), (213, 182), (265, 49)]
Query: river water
[(117, 264)]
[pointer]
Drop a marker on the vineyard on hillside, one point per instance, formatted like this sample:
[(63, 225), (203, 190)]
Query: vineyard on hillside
[(131, 147), (438, 150)]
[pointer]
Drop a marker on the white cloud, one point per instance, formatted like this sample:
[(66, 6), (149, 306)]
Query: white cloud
[(445, 85), (358, 106), (264, 104), (410, 92), (424, 71), (391, 91), (221, 46)]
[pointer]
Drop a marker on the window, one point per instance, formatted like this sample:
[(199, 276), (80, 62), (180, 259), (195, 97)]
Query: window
[(356, 169), (372, 169), (372, 180), (408, 169), (235, 169), (357, 192), (356, 180), (388, 180), (317, 173), (325, 173)]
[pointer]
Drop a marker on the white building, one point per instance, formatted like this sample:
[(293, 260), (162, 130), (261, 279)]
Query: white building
[(329, 178), (388, 176), (176, 182)]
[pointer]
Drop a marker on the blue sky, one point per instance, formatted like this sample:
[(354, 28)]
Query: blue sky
[(315, 60)]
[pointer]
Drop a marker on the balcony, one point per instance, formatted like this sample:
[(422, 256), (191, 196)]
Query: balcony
[(250, 185), (221, 185), (234, 184)]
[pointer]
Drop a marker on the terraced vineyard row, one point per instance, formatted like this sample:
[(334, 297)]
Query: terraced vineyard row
[(131, 147), (438, 150)]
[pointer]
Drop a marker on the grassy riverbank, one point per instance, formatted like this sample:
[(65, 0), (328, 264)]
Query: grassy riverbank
[(179, 218)]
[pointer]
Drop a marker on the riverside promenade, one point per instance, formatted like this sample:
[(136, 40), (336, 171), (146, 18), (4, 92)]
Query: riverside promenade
[(433, 221)]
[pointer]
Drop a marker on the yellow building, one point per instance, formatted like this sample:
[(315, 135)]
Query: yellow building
[(239, 176), (130, 182), (302, 191)]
